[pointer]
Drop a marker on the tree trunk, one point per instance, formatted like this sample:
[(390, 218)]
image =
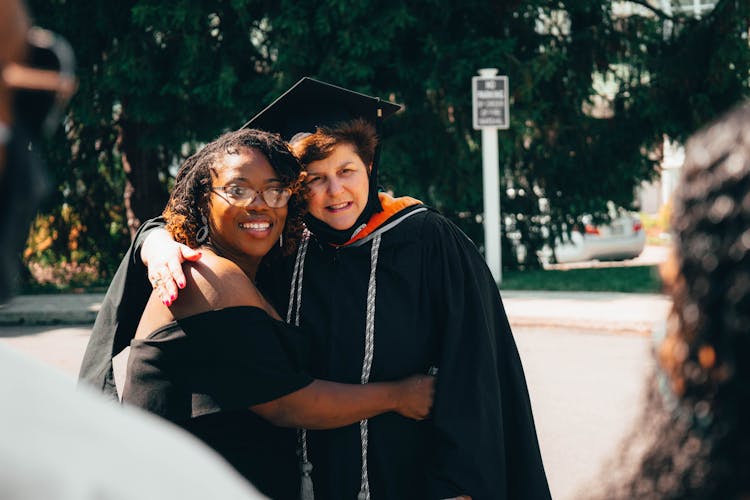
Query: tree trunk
[(145, 195)]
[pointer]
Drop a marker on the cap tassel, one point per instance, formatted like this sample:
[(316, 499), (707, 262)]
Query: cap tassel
[(374, 200), (306, 485)]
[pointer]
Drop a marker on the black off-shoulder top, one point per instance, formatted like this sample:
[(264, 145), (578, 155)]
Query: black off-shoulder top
[(203, 372)]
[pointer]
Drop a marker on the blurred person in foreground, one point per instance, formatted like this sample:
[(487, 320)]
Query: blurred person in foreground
[(53, 438), (36, 81), (694, 427)]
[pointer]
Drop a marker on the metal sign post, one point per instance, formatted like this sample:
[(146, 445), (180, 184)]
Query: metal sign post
[(490, 98)]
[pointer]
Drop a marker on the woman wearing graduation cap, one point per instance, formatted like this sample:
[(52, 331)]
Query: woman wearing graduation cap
[(386, 287)]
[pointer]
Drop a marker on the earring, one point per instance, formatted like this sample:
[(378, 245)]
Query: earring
[(281, 240), (202, 234)]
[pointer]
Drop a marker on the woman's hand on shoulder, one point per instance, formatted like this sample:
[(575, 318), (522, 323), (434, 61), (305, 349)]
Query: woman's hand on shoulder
[(164, 258), (414, 396)]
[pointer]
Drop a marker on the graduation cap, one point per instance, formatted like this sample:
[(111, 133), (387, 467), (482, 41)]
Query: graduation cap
[(311, 103)]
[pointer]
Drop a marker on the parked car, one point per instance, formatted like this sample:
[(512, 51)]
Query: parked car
[(622, 238)]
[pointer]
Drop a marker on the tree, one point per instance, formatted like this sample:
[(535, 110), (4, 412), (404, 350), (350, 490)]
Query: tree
[(594, 89), (153, 79), (153, 83)]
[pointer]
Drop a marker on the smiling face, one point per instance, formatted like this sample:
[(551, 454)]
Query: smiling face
[(338, 187), (245, 234)]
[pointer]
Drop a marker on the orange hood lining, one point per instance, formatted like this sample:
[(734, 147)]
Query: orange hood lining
[(391, 206)]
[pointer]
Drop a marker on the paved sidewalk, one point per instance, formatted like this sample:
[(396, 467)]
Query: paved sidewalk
[(605, 312), (609, 312), (51, 309)]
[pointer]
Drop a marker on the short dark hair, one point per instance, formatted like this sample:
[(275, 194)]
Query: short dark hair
[(188, 203), (359, 133)]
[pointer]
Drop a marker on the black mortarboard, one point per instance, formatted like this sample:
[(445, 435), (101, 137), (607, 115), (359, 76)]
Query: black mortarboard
[(311, 103)]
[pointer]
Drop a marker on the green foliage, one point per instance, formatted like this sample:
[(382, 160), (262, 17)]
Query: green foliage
[(638, 279), (152, 80), (592, 94), (554, 53)]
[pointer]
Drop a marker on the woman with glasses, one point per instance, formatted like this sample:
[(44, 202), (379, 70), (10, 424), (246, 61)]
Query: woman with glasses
[(220, 362)]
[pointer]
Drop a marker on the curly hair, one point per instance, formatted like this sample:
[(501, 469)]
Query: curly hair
[(699, 402), (318, 146), (188, 203)]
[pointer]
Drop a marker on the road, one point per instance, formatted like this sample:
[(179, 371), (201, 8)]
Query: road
[(585, 388), (61, 347)]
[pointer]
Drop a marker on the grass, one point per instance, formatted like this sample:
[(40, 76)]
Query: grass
[(636, 279)]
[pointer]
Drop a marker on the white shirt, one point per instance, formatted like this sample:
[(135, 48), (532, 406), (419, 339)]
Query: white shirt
[(58, 442)]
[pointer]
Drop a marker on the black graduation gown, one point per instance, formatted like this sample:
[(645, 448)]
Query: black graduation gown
[(118, 316), (436, 305)]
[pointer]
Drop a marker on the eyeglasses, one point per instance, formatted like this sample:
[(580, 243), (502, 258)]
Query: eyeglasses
[(240, 196)]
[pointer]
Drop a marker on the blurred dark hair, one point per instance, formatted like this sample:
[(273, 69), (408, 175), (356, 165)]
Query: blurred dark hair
[(698, 411), (188, 203), (318, 146)]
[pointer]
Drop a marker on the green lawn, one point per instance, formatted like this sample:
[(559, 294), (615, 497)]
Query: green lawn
[(641, 279)]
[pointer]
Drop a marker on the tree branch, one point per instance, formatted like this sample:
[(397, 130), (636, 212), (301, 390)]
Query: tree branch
[(659, 13)]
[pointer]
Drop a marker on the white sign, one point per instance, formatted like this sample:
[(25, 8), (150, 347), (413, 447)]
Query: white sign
[(490, 97)]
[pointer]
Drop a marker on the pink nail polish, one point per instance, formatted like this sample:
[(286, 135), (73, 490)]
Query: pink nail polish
[(172, 298)]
